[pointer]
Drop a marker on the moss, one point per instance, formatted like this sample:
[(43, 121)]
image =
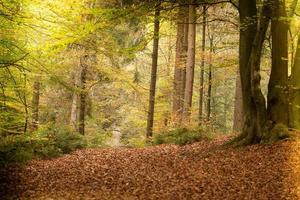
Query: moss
[(279, 132)]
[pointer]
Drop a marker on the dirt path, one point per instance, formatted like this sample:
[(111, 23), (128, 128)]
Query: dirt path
[(199, 171), (115, 140)]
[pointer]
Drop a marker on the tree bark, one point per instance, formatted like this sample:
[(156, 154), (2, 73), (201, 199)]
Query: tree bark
[(294, 84), (35, 103), (201, 92), (83, 94), (74, 106), (295, 94), (277, 92), (188, 95), (251, 44), (248, 29), (238, 105), (150, 120), (180, 62), (209, 90)]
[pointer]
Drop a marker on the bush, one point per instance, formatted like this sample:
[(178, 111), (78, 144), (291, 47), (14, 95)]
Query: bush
[(15, 149), (98, 139), (48, 142), (180, 136)]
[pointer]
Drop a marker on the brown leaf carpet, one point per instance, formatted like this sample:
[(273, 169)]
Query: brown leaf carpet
[(204, 170)]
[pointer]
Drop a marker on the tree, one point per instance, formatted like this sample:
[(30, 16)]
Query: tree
[(201, 92), (277, 90), (238, 105), (257, 128), (36, 103), (295, 95), (180, 61), (210, 78), (153, 70), (83, 93), (190, 66)]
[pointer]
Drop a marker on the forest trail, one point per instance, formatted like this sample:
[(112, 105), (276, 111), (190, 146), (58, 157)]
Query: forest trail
[(203, 170), (115, 140)]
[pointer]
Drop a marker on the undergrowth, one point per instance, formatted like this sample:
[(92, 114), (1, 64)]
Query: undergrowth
[(50, 141), (181, 136)]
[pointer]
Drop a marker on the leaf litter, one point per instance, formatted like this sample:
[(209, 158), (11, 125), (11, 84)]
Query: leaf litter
[(204, 170)]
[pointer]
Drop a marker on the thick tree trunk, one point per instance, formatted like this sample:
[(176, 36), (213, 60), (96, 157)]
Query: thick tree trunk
[(83, 94), (248, 29), (295, 95), (153, 71), (294, 84), (180, 62), (254, 129), (188, 95), (254, 64), (35, 103), (238, 105), (277, 92), (201, 92)]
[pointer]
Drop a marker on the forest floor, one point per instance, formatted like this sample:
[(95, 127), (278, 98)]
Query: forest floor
[(204, 170)]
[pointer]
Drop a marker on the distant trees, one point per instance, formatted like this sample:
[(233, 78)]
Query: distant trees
[(111, 36)]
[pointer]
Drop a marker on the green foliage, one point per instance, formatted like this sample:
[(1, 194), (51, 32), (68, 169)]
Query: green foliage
[(97, 140), (50, 141), (15, 148), (180, 136), (279, 132), (11, 121), (62, 138)]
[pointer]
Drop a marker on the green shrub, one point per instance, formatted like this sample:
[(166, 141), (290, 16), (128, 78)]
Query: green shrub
[(180, 136), (15, 149), (60, 138), (11, 121), (50, 141), (96, 140)]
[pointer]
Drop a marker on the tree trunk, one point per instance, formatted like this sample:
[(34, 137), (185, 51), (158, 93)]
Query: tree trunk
[(180, 62), (277, 92), (209, 91), (201, 92), (74, 106), (35, 103), (153, 71), (295, 95), (238, 105), (294, 84), (83, 94), (251, 44), (188, 95), (248, 29)]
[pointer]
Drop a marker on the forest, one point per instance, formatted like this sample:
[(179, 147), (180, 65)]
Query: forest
[(154, 99)]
